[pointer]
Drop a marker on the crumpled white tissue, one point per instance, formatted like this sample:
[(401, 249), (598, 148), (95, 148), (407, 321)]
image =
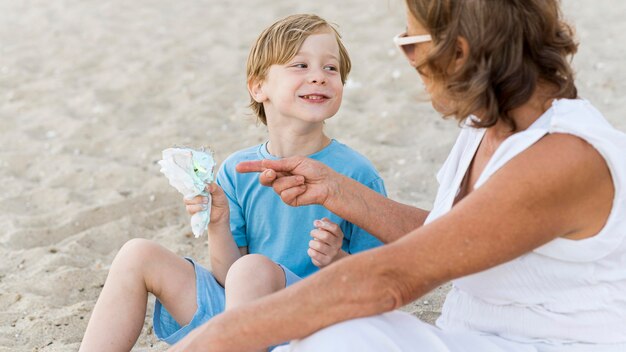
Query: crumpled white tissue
[(189, 170)]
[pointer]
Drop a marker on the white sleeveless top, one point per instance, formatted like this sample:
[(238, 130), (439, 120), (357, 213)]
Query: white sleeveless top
[(567, 293)]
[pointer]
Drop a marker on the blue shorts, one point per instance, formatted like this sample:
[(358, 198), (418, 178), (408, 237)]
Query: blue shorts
[(210, 300)]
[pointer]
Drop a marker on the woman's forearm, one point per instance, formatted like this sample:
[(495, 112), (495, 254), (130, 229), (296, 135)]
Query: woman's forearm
[(382, 217), (302, 181)]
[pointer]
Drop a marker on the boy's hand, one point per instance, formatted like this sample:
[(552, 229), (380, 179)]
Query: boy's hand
[(220, 212), (325, 247)]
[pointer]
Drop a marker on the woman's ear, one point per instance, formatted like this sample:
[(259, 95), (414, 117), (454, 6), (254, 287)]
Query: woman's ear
[(255, 88), (462, 53)]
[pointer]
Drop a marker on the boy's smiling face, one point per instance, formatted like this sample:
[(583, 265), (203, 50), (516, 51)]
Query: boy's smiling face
[(308, 87)]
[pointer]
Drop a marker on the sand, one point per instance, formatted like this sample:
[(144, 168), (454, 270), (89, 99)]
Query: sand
[(92, 91)]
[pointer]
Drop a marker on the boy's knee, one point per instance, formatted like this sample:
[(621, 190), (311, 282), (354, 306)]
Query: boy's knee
[(136, 246), (136, 250), (256, 269)]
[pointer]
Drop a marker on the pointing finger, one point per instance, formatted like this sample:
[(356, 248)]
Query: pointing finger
[(250, 166)]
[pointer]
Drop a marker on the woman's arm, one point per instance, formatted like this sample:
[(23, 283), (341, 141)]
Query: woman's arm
[(559, 187), (378, 215), (302, 181)]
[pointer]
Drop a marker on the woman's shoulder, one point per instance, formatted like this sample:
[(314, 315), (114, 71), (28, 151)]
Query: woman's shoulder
[(576, 163), (560, 146), (566, 146), (585, 184), (577, 127)]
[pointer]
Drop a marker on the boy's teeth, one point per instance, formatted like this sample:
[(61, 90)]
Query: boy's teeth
[(313, 97)]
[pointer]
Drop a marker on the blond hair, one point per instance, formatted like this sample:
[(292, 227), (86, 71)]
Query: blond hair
[(513, 45), (280, 42)]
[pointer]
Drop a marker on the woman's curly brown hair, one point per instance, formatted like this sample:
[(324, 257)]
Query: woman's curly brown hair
[(513, 45)]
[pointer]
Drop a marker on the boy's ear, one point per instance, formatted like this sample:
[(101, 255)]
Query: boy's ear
[(255, 88)]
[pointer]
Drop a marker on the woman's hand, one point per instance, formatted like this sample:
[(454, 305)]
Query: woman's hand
[(220, 211), (325, 247), (297, 180)]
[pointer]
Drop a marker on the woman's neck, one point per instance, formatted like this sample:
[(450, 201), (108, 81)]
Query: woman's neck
[(529, 112), (523, 116)]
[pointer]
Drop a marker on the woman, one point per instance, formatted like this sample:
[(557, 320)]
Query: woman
[(529, 220)]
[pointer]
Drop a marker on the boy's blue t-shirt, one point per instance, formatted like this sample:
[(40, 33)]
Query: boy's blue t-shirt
[(261, 221)]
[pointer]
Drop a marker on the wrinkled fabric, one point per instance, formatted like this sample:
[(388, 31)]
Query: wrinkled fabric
[(189, 170)]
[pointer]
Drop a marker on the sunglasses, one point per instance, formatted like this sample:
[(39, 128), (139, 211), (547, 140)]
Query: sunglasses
[(407, 43)]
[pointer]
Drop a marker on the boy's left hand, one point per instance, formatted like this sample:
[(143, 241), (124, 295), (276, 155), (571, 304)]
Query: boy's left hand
[(325, 247)]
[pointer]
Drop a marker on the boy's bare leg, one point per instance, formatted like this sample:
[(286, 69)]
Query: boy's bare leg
[(141, 266), (251, 277)]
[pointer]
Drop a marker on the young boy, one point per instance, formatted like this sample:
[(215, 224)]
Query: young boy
[(258, 245)]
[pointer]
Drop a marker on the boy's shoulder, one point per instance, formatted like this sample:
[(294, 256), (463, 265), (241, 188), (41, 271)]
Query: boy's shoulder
[(341, 152), (250, 153), (246, 152)]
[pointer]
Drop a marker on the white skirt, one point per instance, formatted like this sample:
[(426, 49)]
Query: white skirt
[(402, 332)]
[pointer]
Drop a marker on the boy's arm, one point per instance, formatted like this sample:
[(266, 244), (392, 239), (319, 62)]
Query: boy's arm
[(223, 250)]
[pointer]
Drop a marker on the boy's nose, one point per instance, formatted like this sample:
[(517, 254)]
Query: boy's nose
[(317, 77)]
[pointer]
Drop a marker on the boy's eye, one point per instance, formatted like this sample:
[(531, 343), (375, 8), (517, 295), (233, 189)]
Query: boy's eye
[(299, 65), (331, 68)]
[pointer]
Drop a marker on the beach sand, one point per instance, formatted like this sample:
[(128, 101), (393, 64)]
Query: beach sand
[(91, 92)]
